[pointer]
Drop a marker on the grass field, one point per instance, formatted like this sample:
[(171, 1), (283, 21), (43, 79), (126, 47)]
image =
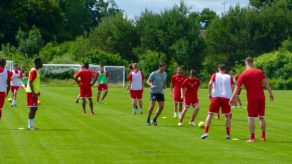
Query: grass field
[(113, 135)]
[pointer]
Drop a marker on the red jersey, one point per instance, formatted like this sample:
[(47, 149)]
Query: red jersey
[(192, 86), (176, 81), (252, 79), (85, 76)]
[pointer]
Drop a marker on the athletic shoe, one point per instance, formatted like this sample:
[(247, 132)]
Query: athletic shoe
[(174, 115), (33, 128), (204, 136), (263, 139), (148, 123), (179, 124), (250, 140), (192, 123), (154, 123), (228, 136), (76, 101)]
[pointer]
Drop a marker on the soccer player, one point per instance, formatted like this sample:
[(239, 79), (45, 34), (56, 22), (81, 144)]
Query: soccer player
[(253, 79), (189, 93), (78, 97), (33, 92), (175, 91), (136, 79), (157, 82), (102, 80), (5, 78), (235, 78), (15, 84), (24, 76), (85, 85), (220, 91)]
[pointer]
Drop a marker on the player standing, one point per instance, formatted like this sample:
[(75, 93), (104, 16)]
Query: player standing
[(33, 92), (102, 80), (83, 79), (253, 79), (136, 79), (157, 82), (15, 84), (5, 77), (235, 78), (189, 93), (220, 91), (175, 91)]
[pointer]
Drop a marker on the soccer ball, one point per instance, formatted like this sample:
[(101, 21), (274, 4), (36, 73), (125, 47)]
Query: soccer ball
[(39, 102), (10, 100), (201, 124)]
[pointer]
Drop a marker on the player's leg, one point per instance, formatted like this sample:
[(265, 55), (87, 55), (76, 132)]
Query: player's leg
[(253, 112), (77, 99), (15, 96), (186, 107), (105, 92), (150, 110), (2, 100), (175, 104), (91, 105), (213, 109), (180, 108), (208, 124), (140, 105), (31, 116), (84, 105), (195, 113), (159, 110), (228, 125), (134, 105), (98, 96), (263, 128), (251, 129), (226, 110)]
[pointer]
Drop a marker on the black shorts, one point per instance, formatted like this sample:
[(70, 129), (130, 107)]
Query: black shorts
[(157, 97)]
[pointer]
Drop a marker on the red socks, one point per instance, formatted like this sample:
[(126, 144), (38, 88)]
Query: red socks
[(192, 120), (263, 134), (0, 114), (252, 136), (228, 131), (206, 129)]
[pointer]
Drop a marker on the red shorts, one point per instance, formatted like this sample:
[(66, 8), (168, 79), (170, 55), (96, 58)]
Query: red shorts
[(2, 99), (31, 101), (218, 102), (136, 94), (102, 87), (191, 102), (14, 88), (256, 107), (85, 92), (177, 97)]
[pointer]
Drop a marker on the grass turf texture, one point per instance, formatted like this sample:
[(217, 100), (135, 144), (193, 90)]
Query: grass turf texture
[(113, 135)]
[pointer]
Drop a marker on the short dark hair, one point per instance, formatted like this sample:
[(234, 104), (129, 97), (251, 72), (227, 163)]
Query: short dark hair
[(233, 70), (193, 72), (86, 65), (37, 60), (101, 65), (249, 60), (161, 64), (2, 62), (130, 66), (222, 67)]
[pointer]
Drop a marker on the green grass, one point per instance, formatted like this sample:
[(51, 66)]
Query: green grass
[(113, 135)]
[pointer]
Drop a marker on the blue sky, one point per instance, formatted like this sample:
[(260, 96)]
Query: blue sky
[(133, 8)]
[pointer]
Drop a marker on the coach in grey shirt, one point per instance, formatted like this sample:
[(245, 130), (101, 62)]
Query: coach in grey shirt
[(157, 82)]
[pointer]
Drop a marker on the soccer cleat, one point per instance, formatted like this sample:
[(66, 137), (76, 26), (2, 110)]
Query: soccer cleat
[(179, 124), (263, 139), (250, 140), (148, 123), (192, 123), (228, 136), (154, 122), (204, 136)]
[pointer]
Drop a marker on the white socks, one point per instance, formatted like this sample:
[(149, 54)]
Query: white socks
[(30, 123)]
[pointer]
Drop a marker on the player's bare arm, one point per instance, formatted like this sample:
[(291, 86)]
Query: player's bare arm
[(76, 80), (94, 81), (210, 86), (234, 96), (268, 87), (171, 89), (183, 92), (150, 84), (8, 89)]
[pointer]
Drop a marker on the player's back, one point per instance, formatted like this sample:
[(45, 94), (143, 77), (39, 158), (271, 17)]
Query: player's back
[(252, 80), (85, 77)]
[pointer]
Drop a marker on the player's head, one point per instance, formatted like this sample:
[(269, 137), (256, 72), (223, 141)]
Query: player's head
[(162, 66), (135, 66), (2, 62), (179, 70), (15, 66), (130, 66), (86, 65), (233, 72), (22, 67), (38, 62), (101, 67), (249, 62), (192, 72), (222, 68)]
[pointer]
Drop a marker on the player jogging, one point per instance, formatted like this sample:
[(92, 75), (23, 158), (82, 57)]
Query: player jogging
[(253, 79), (157, 82), (136, 79), (102, 80), (15, 84), (220, 91), (33, 92), (175, 91), (189, 93), (5, 77), (85, 85)]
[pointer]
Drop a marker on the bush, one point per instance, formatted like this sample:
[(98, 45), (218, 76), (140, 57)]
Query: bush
[(280, 84), (102, 57)]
